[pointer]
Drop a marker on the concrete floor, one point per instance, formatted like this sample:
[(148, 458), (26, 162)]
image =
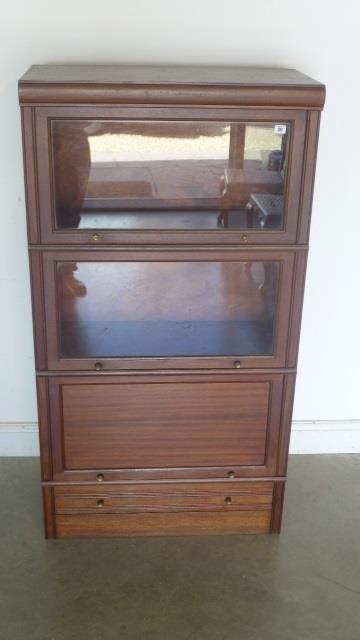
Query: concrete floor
[(301, 585)]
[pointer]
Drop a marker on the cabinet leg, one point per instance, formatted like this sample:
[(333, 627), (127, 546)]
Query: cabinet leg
[(49, 512), (277, 507)]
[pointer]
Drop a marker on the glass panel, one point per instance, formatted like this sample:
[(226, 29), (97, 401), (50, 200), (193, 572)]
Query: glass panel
[(169, 175), (114, 309)]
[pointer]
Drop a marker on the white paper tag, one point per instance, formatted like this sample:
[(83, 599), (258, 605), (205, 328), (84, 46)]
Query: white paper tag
[(280, 129)]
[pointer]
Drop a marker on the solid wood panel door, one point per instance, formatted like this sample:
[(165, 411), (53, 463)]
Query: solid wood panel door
[(170, 309), (155, 175), (151, 427)]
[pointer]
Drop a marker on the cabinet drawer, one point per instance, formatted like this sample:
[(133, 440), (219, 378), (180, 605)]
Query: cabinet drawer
[(122, 498), (179, 426), (163, 509)]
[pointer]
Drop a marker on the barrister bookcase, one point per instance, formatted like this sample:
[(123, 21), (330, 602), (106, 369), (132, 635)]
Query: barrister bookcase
[(168, 221)]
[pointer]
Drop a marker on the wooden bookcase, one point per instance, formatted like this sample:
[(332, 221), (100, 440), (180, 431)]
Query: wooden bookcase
[(168, 220)]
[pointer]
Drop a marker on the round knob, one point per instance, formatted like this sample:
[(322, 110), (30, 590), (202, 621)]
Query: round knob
[(244, 237), (237, 364), (227, 500), (95, 237), (100, 503), (98, 366), (231, 474), (100, 477)]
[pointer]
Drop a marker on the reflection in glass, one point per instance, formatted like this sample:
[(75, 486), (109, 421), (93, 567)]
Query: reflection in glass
[(115, 309), (169, 175)]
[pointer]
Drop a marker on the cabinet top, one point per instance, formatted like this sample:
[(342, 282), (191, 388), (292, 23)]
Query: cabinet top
[(181, 85)]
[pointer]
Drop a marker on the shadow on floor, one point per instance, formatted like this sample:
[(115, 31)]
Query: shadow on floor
[(301, 585)]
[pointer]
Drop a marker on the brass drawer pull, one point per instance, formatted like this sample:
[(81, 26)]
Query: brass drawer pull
[(100, 503), (100, 477), (237, 364), (231, 474), (95, 237), (98, 366), (228, 501)]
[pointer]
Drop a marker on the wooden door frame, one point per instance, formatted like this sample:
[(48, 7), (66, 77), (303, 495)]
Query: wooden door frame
[(51, 312), (288, 234)]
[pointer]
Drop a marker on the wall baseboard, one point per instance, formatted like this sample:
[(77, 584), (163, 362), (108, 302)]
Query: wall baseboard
[(307, 436), (19, 439), (325, 436)]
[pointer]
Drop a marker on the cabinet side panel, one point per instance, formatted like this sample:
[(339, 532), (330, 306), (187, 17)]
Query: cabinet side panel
[(296, 308), (44, 428), (38, 310), (285, 428), (30, 173), (308, 176)]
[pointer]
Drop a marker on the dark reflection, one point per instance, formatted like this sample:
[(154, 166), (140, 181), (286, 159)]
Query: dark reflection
[(150, 309), (169, 175), (71, 173)]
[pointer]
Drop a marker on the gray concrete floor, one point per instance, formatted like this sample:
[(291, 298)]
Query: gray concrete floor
[(301, 585)]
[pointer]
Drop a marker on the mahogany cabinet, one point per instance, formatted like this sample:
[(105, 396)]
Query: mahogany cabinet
[(168, 221)]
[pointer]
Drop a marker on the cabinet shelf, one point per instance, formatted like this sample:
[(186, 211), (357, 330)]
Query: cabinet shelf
[(109, 339)]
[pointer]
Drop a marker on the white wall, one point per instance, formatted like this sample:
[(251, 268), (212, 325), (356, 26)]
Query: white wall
[(318, 37)]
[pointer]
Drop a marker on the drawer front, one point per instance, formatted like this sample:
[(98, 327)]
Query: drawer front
[(191, 426), (171, 309), (122, 498), (163, 509)]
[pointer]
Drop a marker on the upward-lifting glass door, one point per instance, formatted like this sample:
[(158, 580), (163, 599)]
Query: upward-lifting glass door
[(169, 175), (119, 178), (161, 310)]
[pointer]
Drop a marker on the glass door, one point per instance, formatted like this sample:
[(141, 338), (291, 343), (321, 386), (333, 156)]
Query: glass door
[(162, 309), (126, 179)]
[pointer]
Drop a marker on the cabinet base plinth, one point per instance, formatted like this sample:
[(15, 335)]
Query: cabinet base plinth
[(170, 509), (156, 524)]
